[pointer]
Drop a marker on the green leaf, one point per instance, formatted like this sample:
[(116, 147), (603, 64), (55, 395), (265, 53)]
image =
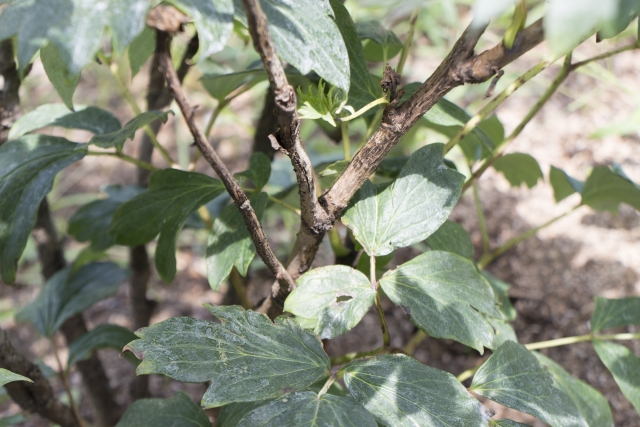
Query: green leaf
[(452, 237), (606, 188), (445, 295), (624, 366), (400, 391), (117, 138), (513, 377), (563, 185), (306, 36), (177, 411), (302, 409), (328, 175), (141, 49), (229, 242), (213, 20), (103, 336), (222, 85), (362, 90), (27, 168), (259, 170), (171, 197), (509, 423), (519, 168), (611, 313), (409, 210), (378, 39), (627, 11), (67, 293), (501, 291), (335, 297), (127, 21), (504, 331), (590, 402), (63, 81), (8, 376), (486, 10), (92, 119), (91, 222), (246, 357), (12, 420)]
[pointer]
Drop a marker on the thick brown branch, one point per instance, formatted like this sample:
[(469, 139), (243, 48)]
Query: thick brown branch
[(233, 188), (35, 397), (288, 134)]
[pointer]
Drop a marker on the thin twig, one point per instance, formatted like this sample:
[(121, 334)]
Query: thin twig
[(386, 339), (233, 188), (481, 221), (122, 156), (63, 377)]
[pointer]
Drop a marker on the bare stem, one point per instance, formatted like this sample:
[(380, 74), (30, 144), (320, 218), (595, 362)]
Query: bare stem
[(63, 376), (414, 342), (406, 46), (241, 290), (126, 158), (386, 339), (346, 144), (581, 338), (346, 358), (481, 221)]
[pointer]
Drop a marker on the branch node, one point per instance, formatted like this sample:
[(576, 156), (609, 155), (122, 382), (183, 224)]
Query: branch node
[(390, 82)]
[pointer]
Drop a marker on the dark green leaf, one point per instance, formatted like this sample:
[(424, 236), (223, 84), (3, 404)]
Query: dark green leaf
[(213, 20), (171, 197), (519, 168), (451, 237), (259, 170), (221, 85), (444, 294), (409, 210), (12, 420), (104, 336), (67, 293), (606, 188), (63, 81), (333, 299), (627, 11), (624, 366), (141, 49), (177, 411), (563, 185), (93, 119), (302, 409), (117, 138), (589, 401), (501, 291), (229, 242), (91, 222), (611, 313), (378, 39), (400, 391), (27, 168), (513, 377), (246, 357), (306, 36), (8, 376), (362, 90)]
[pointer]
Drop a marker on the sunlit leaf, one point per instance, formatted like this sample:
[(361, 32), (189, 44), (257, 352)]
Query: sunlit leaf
[(627, 11), (519, 168), (509, 423), (7, 376), (118, 137), (177, 411), (624, 365), (611, 313), (606, 188), (486, 10)]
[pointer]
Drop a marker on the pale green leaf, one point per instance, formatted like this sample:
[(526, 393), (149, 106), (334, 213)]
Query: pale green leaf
[(229, 242), (606, 188), (221, 85), (445, 295), (302, 409), (27, 168), (627, 11), (329, 174), (519, 168), (63, 81), (118, 138), (171, 197), (563, 185), (486, 10), (8, 376), (414, 206), (246, 357), (91, 222), (503, 330), (67, 293), (501, 291), (451, 237), (513, 377), (177, 411), (611, 313), (590, 402), (92, 119), (103, 336), (624, 365), (336, 297), (259, 170), (509, 423), (12, 420), (141, 49), (127, 20), (400, 391)]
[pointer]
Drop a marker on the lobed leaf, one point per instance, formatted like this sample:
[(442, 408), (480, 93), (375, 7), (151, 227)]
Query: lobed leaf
[(606, 188), (452, 237), (611, 313), (69, 292), (563, 185), (246, 357), (513, 377), (331, 299), (28, 166), (400, 391), (7, 376), (413, 207), (118, 137), (519, 168), (177, 411), (301, 409), (103, 336), (624, 366)]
